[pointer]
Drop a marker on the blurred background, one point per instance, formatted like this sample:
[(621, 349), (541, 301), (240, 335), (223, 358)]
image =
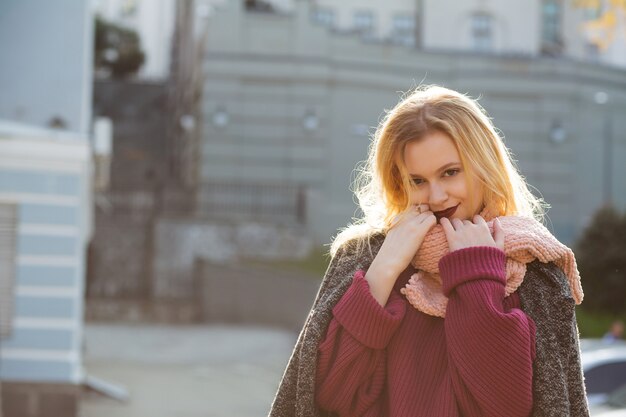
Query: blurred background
[(171, 172)]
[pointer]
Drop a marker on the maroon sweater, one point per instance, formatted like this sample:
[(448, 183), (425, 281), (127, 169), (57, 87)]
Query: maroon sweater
[(399, 362)]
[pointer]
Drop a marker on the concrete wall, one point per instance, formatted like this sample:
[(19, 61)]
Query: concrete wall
[(140, 131), (179, 242), (245, 294)]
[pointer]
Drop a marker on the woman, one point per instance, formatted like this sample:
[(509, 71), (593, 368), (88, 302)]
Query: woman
[(448, 298)]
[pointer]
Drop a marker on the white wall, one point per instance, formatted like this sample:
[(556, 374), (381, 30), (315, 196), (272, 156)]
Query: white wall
[(516, 24), (383, 12), (46, 50)]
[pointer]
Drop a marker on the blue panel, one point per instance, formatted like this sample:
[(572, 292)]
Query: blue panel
[(47, 245), (39, 339), (28, 306), (48, 214), (23, 370), (39, 182), (62, 276)]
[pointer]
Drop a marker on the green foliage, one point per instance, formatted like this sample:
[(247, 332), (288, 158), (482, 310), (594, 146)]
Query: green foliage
[(117, 49), (314, 265), (601, 257), (595, 325)]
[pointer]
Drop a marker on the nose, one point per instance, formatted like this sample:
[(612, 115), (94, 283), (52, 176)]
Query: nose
[(437, 195)]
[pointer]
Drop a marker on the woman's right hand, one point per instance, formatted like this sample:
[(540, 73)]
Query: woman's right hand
[(402, 242)]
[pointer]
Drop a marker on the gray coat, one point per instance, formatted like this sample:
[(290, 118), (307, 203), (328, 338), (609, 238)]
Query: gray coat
[(558, 387)]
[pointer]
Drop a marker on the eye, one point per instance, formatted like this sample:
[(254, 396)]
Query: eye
[(451, 172), (418, 181)]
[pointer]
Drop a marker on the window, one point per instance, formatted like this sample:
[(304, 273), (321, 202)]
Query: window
[(403, 31), (364, 21), (482, 31), (8, 241), (551, 22), (323, 17)]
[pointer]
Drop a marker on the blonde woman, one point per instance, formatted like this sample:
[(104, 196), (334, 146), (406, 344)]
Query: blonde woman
[(449, 297)]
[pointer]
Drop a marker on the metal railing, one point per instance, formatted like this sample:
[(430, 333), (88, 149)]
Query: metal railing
[(281, 203)]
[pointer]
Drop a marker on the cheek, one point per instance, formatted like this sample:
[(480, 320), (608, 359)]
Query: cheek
[(417, 195), (459, 188), (475, 196)]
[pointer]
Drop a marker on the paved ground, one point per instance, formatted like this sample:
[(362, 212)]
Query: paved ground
[(185, 371)]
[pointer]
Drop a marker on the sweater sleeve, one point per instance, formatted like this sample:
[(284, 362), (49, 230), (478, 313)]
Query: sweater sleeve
[(351, 365), (490, 347)]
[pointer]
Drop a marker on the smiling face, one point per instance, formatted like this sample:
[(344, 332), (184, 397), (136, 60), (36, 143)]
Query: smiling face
[(438, 177)]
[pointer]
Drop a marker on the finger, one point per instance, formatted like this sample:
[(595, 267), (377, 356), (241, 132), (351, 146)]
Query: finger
[(478, 219), (422, 208), (448, 229), (458, 224), (498, 233), (467, 223)]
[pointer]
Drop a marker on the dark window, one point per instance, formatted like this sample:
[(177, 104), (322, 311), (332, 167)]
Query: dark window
[(364, 21), (551, 40), (551, 21), (482, 31), (323, 17), (403, 31)]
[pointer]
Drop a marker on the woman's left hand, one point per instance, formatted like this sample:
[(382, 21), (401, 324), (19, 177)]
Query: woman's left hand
[(464, 233)]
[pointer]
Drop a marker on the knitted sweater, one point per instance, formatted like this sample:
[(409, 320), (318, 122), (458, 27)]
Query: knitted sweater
[(400, 362), (544, 296)]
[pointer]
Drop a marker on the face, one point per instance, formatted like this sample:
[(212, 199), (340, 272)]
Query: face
[(438, 178)]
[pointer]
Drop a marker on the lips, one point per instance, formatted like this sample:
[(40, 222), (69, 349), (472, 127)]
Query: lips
[(446, 213)]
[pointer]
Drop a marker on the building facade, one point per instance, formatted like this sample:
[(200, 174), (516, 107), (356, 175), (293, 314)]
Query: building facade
[(291, 106), (46, 198), (588, 30)]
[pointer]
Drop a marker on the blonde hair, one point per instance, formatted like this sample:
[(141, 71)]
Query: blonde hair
[(383, 183)]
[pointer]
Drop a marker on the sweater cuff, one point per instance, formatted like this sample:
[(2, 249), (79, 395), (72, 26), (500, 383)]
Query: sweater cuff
[(364, 318), (469, 264)]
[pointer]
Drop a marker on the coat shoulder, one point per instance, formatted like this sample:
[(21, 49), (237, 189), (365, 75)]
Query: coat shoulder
[(545, 281)]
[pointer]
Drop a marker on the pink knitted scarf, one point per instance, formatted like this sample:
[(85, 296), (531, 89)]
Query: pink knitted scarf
[(525, 240)]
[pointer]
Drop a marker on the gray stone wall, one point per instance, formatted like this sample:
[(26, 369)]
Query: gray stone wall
[(247, 294), (179, 242)]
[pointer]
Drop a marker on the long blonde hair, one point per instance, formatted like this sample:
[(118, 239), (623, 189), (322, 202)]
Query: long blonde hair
[(382, 184)]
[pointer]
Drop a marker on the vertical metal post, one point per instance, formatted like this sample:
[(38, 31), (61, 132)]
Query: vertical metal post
[(608, 159)]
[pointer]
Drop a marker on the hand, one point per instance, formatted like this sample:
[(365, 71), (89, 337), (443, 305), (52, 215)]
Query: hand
[(404, 238), (464, 234)]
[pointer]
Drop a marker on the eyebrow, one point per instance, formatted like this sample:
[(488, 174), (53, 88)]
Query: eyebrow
[(443, 168)]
